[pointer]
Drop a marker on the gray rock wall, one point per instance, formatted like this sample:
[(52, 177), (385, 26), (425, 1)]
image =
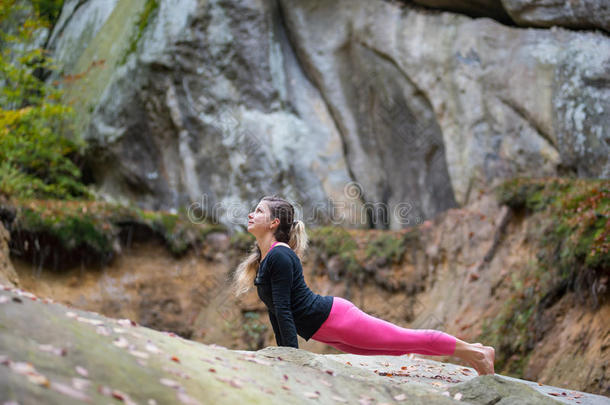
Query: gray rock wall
[(211, 107), (507, 101), (366, 111), (582, 14)]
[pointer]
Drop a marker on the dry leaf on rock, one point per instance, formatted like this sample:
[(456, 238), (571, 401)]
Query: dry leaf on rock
[(69, 391), (80, 383), (170, 383), (120, 342), (187, 399)]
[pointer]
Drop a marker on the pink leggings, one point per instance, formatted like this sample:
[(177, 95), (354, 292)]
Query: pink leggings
[(351, 330)]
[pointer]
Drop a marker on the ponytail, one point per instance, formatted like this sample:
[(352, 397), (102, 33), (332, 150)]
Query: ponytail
[(298, 238)]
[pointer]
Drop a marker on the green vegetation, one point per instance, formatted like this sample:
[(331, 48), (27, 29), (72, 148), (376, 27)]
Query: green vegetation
[(512, 332), (48, 10), (337, 241), (254, 330), (578, 235), (390, 246), (572, 243), (91, 228), (143, 19), (37, 159)]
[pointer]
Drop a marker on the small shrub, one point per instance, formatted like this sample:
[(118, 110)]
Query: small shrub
[(390, 246), (38, 158), (337, 241)]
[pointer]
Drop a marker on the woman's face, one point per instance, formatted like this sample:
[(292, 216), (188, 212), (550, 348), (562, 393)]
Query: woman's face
[(259, 221)]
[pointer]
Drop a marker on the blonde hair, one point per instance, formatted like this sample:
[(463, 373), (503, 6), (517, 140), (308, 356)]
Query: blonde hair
[(289, 231)]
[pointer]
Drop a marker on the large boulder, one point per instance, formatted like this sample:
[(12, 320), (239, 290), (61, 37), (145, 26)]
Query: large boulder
[(474, 8), (200, 105), (506, 101), (583, 14), (53, 354), (372, 112)]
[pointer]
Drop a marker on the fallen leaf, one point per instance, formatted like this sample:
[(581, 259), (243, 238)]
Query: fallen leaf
[(102, 330), (52, 349), (22, 367), (126, 322), (152, 348), (123, 397), (69, 391), (17, 299), (95, 322), (121, 342), (187, 399), (80, 383), (232, 382), (170, 383), (139, 354), (38, 379), (176, 359), (311, 395), (259, 361)]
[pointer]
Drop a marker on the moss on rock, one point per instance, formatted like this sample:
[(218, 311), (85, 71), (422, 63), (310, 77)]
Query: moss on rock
[(70, 232), (572, 243)]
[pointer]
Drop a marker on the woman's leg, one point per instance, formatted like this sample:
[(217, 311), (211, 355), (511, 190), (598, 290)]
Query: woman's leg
[(364, 352), (349, 325)]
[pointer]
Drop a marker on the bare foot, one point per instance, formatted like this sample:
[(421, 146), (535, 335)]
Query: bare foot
[(483, 361), (480, 357)]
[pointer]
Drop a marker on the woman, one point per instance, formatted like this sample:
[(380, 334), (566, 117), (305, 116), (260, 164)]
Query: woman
[(275, 268)]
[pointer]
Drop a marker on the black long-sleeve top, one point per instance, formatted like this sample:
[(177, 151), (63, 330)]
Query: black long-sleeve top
[(293, 308)]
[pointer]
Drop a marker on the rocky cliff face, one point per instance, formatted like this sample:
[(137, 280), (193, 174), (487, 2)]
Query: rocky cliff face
[(216, 103), (587, 14), (200, 104)]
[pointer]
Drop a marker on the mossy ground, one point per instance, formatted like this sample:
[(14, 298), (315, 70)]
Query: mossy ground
[(572, 247), (89, 231)]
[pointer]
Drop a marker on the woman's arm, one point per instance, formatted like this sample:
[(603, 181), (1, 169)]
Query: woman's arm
[(281, 287), (275, 326)]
